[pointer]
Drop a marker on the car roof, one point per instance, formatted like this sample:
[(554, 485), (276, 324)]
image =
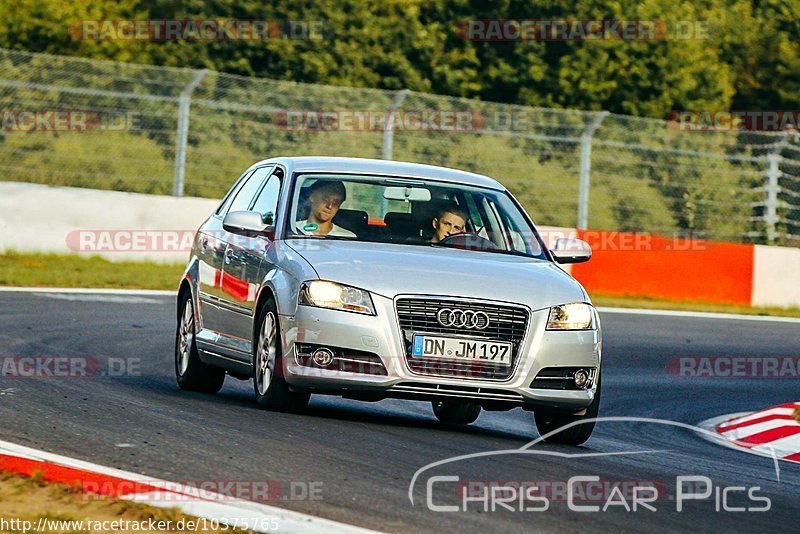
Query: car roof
[(385, 167)]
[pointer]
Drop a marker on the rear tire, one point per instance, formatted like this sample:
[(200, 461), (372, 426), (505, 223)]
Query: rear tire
[(456, 412), (190, 372), (272, 391), (549, 420)]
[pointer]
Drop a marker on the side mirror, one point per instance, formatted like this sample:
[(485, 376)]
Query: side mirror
[(568, 250), (244, 222)]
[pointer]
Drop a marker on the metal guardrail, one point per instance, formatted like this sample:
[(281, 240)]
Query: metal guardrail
[(182, 131)]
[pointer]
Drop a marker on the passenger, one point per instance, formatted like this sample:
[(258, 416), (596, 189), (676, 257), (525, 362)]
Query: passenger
[(325, 198), (449, 220)]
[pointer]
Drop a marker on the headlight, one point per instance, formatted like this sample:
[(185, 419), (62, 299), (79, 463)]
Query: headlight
[(575, 316), (323, 294)]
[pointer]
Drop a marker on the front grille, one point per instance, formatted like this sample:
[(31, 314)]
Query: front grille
[(418, 316)]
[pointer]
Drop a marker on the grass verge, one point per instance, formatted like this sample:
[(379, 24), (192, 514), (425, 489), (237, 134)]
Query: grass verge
[(30, 499), (71, 270)]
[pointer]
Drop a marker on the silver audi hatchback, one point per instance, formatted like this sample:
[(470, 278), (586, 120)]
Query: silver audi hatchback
[(376, 279)]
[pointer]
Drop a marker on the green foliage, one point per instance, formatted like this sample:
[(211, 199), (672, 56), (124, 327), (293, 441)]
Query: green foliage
[(643, 177), (750, 58), (70, 159)]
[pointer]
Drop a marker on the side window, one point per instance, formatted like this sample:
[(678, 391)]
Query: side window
[(244, 197), (267, 201), (223, 206)]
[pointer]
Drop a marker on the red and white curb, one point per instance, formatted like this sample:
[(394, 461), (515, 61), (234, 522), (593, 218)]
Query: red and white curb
[(164, 494), (771, 432)]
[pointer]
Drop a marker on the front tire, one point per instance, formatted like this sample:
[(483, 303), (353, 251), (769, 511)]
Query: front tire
[(190, 372), (549, 420), (272, 391), (456, 412)]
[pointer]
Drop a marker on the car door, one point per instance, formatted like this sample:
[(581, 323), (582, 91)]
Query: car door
[(211, 247), (215, 302), (241, 266)]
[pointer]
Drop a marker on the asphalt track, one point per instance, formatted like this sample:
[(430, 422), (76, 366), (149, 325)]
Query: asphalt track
[(359, 458)]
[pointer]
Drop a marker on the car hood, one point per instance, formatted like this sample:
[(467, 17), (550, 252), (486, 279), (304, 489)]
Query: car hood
[(392, 269)]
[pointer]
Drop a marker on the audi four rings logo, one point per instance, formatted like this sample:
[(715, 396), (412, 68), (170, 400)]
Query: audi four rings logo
[(476, 320)]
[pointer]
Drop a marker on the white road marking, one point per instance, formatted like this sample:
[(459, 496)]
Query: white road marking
[(766, 450), (713, 437), (757, 428), (91, 291), (700, 315), (783, 447), (114, 299), (763, 413)]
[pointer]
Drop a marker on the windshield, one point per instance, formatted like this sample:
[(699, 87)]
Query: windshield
[(409, 212)]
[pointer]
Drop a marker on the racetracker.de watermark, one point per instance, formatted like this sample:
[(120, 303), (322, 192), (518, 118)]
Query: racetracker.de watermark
[(734, 121), (163, 30), (505, 30), (471, 121), (67, 120), (348, 120), (135, 240), (734, 366), (141, 240), (57, 367), (208, 490), (577, 491), (640, 242)]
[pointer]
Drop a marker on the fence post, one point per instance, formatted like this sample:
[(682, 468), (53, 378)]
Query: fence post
[(388, 131), (388, 136), (586, 169), (183, 132), (772, 188)]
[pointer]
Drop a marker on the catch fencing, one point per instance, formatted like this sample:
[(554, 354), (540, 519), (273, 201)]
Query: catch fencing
[(175, 131)]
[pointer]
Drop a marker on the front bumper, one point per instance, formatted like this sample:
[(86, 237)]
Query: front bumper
[(381, 336)]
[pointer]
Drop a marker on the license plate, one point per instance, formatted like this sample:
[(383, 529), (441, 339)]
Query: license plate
[(488, 352)]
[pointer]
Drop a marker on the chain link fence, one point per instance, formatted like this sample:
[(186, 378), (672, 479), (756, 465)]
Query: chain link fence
[(108, 125)]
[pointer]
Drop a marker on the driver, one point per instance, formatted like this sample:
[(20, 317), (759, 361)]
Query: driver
[(449, 220), (325, 198)]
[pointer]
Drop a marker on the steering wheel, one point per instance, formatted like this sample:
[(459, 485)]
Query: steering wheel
[(468, 241)]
